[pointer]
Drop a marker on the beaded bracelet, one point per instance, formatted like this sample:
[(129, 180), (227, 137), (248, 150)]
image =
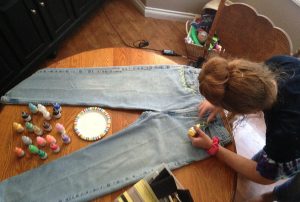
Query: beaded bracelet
[(214, 147)]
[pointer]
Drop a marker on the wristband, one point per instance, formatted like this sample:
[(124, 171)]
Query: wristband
[(214, 147)]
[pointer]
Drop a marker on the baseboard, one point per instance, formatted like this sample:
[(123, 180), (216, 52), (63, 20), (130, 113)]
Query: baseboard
[(139, 5), (297, 2), (162, 13)]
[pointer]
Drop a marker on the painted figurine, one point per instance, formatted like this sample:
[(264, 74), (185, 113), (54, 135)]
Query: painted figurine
[(18, 127), (26, 117), (41, 141), (192, 132), (50, 139), (33, 149), (60, 128), (47, 115), (57, 107), (47, 126), (19, 152), (26, 140), (42, 154), (41, 108), (29, 126), (54, 147), (37, 130), (65, 138), (56, 113), (33, 108)]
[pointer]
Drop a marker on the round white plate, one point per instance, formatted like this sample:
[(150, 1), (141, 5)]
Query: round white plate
[(92, 123)]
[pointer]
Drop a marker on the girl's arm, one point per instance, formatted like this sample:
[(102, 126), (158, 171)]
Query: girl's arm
[(240, 164)]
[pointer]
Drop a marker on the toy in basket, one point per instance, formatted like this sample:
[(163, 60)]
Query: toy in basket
[(196, 38), (201, 36)]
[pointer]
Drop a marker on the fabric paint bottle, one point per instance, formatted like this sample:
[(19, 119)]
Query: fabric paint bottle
[(26, 117)]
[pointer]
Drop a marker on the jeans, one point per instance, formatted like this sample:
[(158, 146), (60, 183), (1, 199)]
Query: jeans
[(168, 94), (158, 88)]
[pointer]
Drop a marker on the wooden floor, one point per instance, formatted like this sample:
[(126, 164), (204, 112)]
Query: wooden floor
[(119, 22)]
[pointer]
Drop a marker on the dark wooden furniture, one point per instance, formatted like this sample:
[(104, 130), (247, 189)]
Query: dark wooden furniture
[(208, 180), (30, 31)]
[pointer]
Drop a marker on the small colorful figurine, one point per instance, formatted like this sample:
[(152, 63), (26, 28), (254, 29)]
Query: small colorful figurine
[(18, 127), (29, 126), (57, 107), (56, 114), (33, 108), (26, 140), (26, 117), (19, 152), (41, 141), (38, 131), (60, 128), (47, 126), (33, 149), (65, 138), (42, 154), (192, 132), (50, 139), (47, 115), (41, 108), (54, 147)]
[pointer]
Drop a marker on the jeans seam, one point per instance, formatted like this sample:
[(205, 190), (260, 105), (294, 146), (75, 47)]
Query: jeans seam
[(184, 83)]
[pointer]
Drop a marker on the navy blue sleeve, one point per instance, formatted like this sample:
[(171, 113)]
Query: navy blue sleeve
[(284, 61), (283, 119)]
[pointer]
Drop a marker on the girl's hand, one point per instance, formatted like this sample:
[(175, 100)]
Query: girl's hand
[(202, 140), (206, 107)]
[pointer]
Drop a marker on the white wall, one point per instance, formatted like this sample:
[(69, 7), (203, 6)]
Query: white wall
[(189, 6), (177, 10)]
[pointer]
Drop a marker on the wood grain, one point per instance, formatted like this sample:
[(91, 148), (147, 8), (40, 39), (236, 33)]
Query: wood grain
[(246, 34), (118, 22), (203, 178)]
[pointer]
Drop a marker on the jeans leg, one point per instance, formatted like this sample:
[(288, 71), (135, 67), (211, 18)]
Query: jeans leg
[(111, 163), (289, 191), (158, 88)]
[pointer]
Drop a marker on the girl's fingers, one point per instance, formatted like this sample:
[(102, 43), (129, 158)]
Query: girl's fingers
[(212, 116), (202, 109), (199, 131), (201, 112)]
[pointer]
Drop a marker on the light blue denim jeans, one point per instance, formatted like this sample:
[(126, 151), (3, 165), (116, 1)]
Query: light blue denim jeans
[(170, 96)]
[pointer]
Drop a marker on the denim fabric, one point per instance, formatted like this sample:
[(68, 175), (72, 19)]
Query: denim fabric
[(158, 88), (158, 136)]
